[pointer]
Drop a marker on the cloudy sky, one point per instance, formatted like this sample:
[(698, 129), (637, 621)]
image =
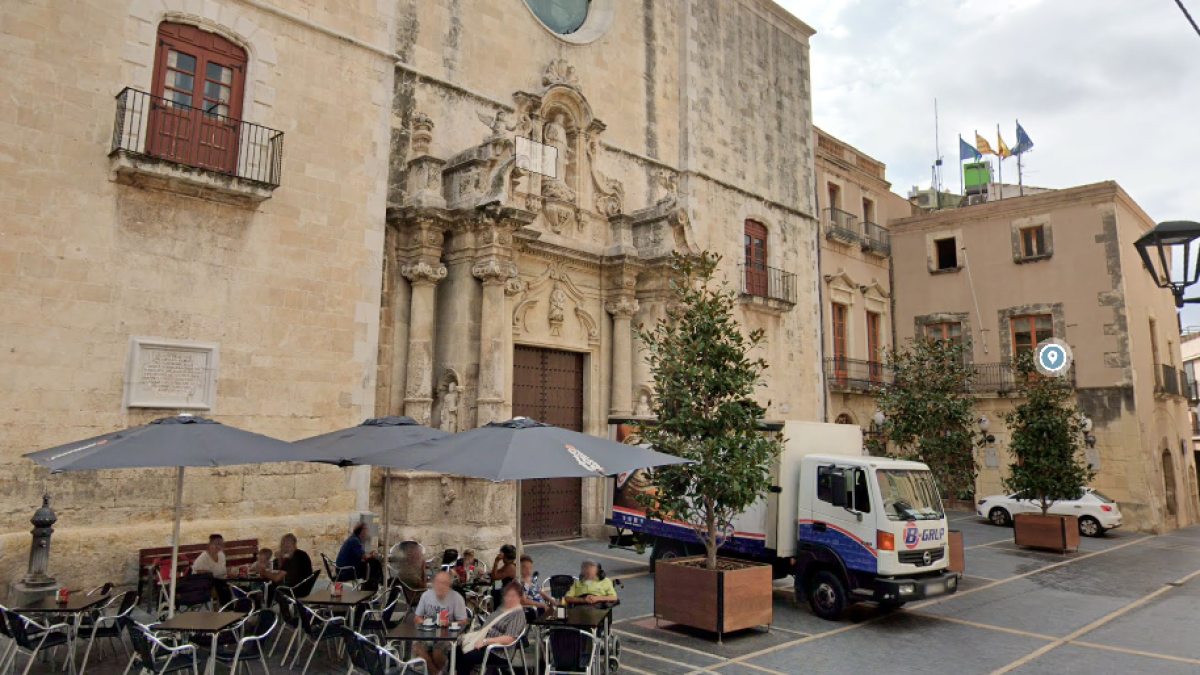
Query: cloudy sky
[(1107, 89)]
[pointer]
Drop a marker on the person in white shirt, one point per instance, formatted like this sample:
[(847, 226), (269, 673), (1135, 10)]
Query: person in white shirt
[(212, 560)]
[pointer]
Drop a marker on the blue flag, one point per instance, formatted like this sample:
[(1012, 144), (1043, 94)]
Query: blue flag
[(966, 151), (1024, 143)]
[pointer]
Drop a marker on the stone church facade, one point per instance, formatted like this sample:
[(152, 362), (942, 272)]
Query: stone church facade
[(396, 257)]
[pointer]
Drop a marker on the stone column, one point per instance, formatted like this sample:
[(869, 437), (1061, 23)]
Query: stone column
[(491, 402), (622, 310), (423, 275)]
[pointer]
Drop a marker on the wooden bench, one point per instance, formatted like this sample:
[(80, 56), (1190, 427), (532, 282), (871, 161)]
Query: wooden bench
[(237, 553)]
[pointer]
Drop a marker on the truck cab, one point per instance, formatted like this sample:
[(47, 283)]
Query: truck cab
[(869, 528)]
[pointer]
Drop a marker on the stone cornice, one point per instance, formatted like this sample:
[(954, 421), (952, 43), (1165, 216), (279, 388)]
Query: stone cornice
[(1017, 208)]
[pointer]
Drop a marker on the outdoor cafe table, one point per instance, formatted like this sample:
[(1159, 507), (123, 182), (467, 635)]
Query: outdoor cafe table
[(595, 620), (408, 632), (201, 623), (348, 600), (77, 605)]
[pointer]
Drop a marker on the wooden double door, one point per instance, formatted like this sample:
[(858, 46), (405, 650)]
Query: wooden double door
[(548, 387)]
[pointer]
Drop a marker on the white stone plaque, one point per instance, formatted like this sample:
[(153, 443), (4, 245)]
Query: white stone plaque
[(537, 157), (174, 374)]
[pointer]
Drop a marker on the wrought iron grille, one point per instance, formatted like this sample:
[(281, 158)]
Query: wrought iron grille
[(768, 282), (152, 126), (877, 238)]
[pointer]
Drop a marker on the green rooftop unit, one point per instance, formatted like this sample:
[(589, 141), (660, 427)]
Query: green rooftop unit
[(976, 176)]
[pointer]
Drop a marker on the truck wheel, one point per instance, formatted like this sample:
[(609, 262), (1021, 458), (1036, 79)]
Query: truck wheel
[(1090, 527), (827, 596), (999, 517), (665, 549)]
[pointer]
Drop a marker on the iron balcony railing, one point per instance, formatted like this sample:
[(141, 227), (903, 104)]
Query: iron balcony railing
[(152, 126), (1191, 390), (843, 374), (768, 282), (1168, 380), (841, 225), (877, 238)]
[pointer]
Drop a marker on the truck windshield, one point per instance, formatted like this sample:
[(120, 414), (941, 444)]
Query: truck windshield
[(909, 495)]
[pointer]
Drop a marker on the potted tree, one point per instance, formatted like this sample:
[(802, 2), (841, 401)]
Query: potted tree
[(928, 416), (1046, 441), (705, 380)]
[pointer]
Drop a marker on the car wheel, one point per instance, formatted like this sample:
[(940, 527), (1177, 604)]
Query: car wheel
[(1090, 527), (999, 517), (827, 596)]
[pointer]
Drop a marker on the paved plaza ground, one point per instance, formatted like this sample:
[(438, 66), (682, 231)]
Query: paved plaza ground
[(1124, 604)]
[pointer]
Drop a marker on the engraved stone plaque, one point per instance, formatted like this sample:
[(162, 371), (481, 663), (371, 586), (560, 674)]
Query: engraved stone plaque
[(991, 458), (174, 374)]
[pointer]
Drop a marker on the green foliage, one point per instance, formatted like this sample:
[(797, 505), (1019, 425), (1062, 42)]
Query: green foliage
[(704, 381), (1047, 437), (930, 417)]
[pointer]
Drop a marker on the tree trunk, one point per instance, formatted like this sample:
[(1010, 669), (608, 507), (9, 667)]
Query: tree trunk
[(710, 543)]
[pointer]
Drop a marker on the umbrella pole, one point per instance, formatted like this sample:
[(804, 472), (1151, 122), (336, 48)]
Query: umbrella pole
[(175, 540), (520, 547), (387, 512)]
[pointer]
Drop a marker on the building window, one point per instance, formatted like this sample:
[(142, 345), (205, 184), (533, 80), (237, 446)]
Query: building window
[(946, 253), (839, 333), (199, 79), (1033, 241), (868, 210), (1029, 331), (756, 258), (835, 196), (561, 16), (949, 330)]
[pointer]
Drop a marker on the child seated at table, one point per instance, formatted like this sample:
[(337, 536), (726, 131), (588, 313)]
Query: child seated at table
[(465, 567)]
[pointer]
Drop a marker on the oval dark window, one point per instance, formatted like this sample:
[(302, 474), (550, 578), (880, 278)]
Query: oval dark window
[(561, 16)]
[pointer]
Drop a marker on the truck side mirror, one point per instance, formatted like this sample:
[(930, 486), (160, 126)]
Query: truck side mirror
[(837, 481)]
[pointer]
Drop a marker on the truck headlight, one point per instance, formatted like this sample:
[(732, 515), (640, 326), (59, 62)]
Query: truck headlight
[(907, 589)]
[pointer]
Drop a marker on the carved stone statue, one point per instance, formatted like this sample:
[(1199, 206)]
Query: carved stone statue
[(498, 123), (555, 135), (643, 406), (558, 301), (450, 409)]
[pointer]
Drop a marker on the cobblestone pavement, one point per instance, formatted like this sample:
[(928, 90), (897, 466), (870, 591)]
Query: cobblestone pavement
[(1125, 603)]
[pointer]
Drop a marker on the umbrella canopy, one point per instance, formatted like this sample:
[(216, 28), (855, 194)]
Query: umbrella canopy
[(347, 447), (168, 442), (523, 449), (177, 442)]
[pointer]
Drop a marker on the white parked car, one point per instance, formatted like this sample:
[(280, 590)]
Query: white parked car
[(1097, 513)]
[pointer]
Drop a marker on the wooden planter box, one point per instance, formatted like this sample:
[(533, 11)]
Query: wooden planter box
[(1056, 533), (958, 559), (720, 601)]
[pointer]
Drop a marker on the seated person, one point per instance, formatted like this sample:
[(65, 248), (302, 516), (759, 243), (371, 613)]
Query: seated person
[(440, 598), (412, 566), (291, 569), (535, 597), (212, 560), (505, 566), (503, 628), (590, 589), (449, 557), (365, 564), (466, 567)]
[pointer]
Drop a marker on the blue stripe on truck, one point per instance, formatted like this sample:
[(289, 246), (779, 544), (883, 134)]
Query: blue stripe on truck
[(854, 552), (641, 524)]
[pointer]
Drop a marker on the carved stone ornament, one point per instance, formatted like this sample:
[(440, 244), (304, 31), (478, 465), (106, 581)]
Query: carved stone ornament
[(422, 271), (610, 193), (514, 286), (498, 123), (422, 133), (559, 71), (623, 308), (557, 311), (493, 270), (669, 182), (559, 216)]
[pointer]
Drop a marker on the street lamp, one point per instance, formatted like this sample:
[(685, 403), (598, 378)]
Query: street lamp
[(984, 425), (1175, 262), (878, 418), (1086, 423)]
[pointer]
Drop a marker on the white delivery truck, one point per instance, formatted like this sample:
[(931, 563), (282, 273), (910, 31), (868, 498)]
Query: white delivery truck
[(847, 526)]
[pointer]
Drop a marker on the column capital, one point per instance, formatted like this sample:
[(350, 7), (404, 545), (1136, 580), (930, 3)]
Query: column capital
[(421, 271), (622, 308), (494, 271)]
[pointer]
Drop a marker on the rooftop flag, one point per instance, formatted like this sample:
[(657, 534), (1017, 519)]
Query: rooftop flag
[(966, 152), (982, 146), (1002, 147), (1024, 143)]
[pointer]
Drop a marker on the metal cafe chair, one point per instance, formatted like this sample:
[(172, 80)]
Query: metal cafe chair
[(153, 655), (369, 658), (251, 646), (505, 653), (289, 615), (30, 638), (316, 629), (571, 651), (382, 619), (107, 626), (335, 572)]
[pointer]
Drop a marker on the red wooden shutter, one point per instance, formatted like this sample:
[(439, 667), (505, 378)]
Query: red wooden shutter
[(756, 258)]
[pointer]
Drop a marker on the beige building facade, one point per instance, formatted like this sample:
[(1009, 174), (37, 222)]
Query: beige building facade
[(291, 218), (1006, 275), (856, 205)]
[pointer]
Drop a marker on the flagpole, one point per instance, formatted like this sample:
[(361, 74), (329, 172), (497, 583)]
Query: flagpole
[(1000, 163), (1020, 171), (962, 170)]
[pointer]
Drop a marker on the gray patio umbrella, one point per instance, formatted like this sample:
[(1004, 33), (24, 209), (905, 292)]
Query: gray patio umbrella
[(347, 447), (523, 449), (180, 442)]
